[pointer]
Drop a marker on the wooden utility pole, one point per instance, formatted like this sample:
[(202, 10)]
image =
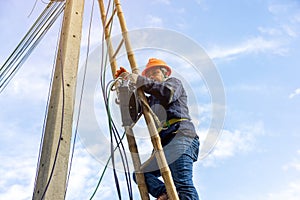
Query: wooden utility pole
[(53, 164)]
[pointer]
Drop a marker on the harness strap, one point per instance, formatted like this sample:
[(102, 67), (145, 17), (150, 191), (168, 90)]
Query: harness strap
[(170, 122)]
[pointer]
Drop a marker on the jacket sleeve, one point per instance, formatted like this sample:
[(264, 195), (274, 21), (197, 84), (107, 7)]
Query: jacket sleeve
[(167, 91)]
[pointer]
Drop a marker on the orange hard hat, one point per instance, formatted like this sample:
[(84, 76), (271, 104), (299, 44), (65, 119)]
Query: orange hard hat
[(154, 62)]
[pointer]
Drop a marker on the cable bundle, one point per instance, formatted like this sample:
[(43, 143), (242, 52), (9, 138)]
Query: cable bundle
[(29, 42)]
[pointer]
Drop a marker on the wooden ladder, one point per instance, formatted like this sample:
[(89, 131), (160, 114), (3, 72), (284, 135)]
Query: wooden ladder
[(155, 139)]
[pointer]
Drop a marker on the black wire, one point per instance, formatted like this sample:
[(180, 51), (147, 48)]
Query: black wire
[(37, 26), (103, 70), (29, 42), (122, 154), (33, 8), (81, 96), (124, 161), (118, 140), (61, 128), (102, 76), (45, 118), (62, 118), (47, 104), (30, 30), (27, 54), (114, 132)]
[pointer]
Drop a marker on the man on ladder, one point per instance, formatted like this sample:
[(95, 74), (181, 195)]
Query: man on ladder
[(168, 100)]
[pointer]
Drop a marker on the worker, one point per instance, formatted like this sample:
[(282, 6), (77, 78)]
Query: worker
[(168, 100)]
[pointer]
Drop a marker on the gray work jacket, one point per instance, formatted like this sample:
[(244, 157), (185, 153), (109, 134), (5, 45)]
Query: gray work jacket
[(168, 100)]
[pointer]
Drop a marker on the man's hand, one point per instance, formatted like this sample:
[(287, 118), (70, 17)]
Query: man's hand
[(123, 73)]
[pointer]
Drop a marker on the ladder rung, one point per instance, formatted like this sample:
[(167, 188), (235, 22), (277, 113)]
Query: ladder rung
[(118, 48), (111, 18)]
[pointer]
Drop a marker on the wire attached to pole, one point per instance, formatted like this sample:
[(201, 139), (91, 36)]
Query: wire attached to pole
[(29, 42)]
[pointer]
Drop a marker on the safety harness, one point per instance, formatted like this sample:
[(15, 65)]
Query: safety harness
[(170, 122)]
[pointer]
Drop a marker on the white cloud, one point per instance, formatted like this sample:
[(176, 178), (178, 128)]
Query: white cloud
[(248, 88), (17, 176), (289, 30), (270, 31), (253, 45), (86, 172), (83, 175), (203, 4), (295, 93), (292, 165), (154, 21), (287, 16), (167, 2), (16, 191), (296, 18), (278, 8), (290, 192), (31, 82), (234, 142), (295, 164)]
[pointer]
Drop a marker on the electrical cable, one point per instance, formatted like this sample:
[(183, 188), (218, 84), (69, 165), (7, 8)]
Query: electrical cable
[(45, 117), (32, 38), (35, 28), (112, 127), (33, 7), (123, 155), (26, 55), (29, 42), (102, 77), (61, 129), (113, 130), (81, 96), (62, 122), (103, 172)]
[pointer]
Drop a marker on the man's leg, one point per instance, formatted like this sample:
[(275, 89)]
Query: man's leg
[(182, 173), (155, 186), (181, 153)]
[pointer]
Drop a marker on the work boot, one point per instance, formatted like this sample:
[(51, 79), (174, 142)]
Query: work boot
[(163, 196)]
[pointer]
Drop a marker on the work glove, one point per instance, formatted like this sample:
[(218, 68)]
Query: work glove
[(123, 73)]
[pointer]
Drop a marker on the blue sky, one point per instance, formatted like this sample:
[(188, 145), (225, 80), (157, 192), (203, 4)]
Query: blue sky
[(254, 46)]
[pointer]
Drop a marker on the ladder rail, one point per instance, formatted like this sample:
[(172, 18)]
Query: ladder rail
[(155, 138), (128, 130), (112, 59)]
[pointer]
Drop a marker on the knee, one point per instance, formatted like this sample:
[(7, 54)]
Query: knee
[(134, 175)]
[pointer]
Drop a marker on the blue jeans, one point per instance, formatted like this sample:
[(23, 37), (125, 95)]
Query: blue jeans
[(180, 153)]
